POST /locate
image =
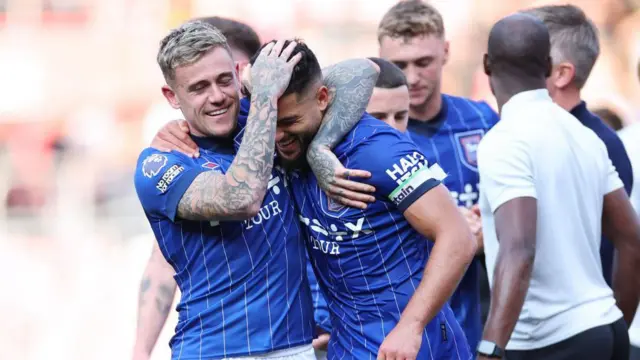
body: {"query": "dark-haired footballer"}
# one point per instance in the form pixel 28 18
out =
pixel 384 298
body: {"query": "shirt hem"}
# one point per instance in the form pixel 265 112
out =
pixel 566 332
pixel 245 354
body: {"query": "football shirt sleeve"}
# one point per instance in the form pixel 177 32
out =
pixel 612 180
pixel 161 179
pixel 399 170
pixel 506 170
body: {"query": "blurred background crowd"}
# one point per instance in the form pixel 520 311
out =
pixel 80 97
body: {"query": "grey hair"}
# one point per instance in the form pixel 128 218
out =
pixel 187 44
pixel 574 38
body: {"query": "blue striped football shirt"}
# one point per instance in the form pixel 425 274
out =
pixel 242 282
pixel 369 262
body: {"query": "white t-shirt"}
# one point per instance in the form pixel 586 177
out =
pixel 630 137
pixel 539 150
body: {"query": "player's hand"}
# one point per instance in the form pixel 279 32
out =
pixel 335 180
pixel 321 342
pixel 475 224
pixel 272 70
pixel 482 357
pixel 175 136
pixel 402 343
pixel 480 235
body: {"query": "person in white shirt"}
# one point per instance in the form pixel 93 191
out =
pixel 630 137
pixel 548 189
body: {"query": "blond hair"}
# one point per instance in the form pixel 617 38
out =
pixel 187 44
pixel 411 18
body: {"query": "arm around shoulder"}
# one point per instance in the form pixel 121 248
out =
pixel 238 194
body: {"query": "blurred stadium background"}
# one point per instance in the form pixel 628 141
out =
pixel 79 98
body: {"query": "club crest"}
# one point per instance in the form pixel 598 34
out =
pixel 467 143
pixel 331 207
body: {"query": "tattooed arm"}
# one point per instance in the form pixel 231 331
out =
pixel 157 290
pixel 350 85
pixel 239 193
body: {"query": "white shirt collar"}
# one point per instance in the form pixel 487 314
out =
pixel 525 98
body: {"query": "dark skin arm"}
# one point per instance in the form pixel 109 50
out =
pixel 620 224
pixel 515 223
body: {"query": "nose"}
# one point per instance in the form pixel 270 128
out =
pixel 412 75
pixel 216 96
pixel 279 134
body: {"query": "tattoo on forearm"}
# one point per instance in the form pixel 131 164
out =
pixel 213 195
pixel 145 284
pixel 350 86
pixel 164 298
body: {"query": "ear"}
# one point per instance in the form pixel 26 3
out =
pixel 239 67
pixel 446 52
pixel 171 97
pixel 564 75
pixel 322 97
pixel 245 76
pixel 486 64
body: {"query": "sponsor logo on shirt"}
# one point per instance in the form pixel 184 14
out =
pixel 266 212
pixel 328 239
pixel 270 209
pixel 168 177
pixel 411 172
pixel 403 169
pixel 417 178
pixel 152 165
pixel 405 189
pixel 467 198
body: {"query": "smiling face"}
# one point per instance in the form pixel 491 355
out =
pixel 206 91
pixel 299 118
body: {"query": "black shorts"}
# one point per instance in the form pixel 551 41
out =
pixel 606 342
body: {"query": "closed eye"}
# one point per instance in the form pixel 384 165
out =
pixel 286 121
pixel 401 115
pixel 199 86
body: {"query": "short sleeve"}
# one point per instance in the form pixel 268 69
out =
pixel 161 179
pixel 506 170
pixel 612 180
pixel 399 170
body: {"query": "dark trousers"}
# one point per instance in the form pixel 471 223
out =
pixel 485 291
pixel 635 353
pixel 607 342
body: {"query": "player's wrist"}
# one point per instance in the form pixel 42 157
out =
pixel 412 323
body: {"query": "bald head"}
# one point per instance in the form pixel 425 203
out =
pixel 519 45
